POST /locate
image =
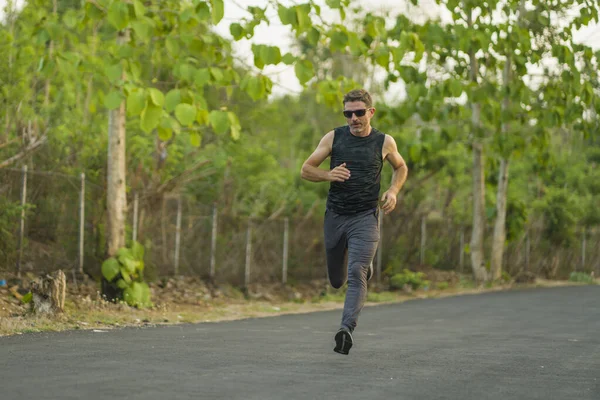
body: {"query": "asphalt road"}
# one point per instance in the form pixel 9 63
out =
pixel 530 344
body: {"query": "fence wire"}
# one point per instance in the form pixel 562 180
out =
pixel 178 234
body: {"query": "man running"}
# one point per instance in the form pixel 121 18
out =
pixel 351 226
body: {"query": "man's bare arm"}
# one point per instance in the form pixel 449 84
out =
pixel 399 176
pixel 311 171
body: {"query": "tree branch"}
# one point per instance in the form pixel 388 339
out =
pixel 31 147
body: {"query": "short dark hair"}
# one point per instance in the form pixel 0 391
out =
pixel 359 95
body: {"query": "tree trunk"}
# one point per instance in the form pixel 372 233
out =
pixel 478 232
pixel 50 53
pixel 501 202
pixel 48 293
pixel 500 223
pixel 477 236
pixel 116 168
pixel 90 84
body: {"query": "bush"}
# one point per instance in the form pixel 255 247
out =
pixel 124 274
pixel 581 277
pixel 415 280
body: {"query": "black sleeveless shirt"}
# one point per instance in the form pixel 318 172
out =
pixel 363 158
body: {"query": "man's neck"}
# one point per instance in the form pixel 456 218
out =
pixel 366 132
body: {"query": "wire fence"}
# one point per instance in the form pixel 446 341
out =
pixel 51 221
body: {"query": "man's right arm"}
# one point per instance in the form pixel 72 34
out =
pixel 310 169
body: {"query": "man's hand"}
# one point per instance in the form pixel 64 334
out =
pixel 389 201
pixel 339 173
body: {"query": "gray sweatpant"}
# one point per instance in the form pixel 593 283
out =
pixel 356 236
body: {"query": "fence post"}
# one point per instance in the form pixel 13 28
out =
pixel 527 251
pixel 81 222
pixel 286 235
pixel 461 257
pixel 583 245
pixel 248 253
pixel 380 247
pixel 136 207
pixel 178 235
pixel 213 243
pixel 423 239
pixel 22 224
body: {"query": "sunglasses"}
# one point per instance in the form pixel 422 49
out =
pixel 359 113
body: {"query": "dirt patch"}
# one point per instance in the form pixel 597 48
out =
pixel 192 300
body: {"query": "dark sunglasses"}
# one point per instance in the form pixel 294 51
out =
pixel 359 113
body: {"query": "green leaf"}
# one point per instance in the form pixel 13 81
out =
pixel 113 100
pixel 136 101
pixel 110 269
pixel 304 71
pixel 142 29
pixel 139 8
pixel 27 298
pixel 313 36
pixel 302 13
pixel 185 113
pixel 255 88
pixel 137 251
pixel 118 15
pixel 216 73
pixel 333 3
pixel 237 31
pixel 288 59
pixel 339 40
pixel 121 284
pixel 157 97
pixel 217 11
pixel 150 117
pixel 172 99
pixel 202 77
pixel 202 117
pixel 235 125
pixel 70 19
pixel 219 120
pixel 195 139
pixel 287 15
pixel 114 72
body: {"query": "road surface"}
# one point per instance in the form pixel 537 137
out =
pixel 526 344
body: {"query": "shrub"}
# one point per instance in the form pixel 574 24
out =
pixel 125 275
pixel 581 277
pixel 415 280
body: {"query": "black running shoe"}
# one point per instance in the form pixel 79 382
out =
pixel 343 341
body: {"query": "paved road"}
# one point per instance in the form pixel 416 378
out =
pixel 530 344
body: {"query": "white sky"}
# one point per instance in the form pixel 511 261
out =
pixel 278 35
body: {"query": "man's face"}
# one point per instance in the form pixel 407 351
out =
pixel 360 123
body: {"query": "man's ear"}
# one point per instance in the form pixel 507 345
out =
pixel 372 111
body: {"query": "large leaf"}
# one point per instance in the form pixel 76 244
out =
pixel 137 250
pixel 157 97
pixel 219 120
pixel 114 72
pixel 202 77
pixel 172 99
pixel 113 100
pixel 304 71
pixel 118 15
pixel 150 117
pixel 136 101
pixel 217 11
pixel 185 113
pixel 139 8
pixel 195 139
pixel 235 126
pixel 237 31
pixel 110 269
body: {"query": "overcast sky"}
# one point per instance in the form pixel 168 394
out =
pixel 277 34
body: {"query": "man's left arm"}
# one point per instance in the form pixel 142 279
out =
pixel 391 154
